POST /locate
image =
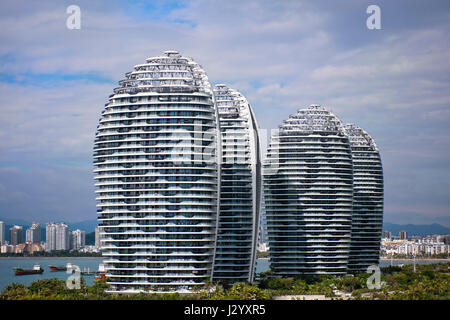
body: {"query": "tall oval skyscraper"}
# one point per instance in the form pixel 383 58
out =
pixel 157 171
pixel 367 220
pixel 240 190
pixel 308 192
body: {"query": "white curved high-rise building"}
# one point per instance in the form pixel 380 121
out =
pixel 308 192
pixel 240 191
pixel 367 220
pixel 157 173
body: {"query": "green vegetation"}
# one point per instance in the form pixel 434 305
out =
pixel 239 291
pixel 429 282
pixel 56 289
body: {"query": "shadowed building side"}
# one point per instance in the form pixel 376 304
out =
pixel 367 220
pixel 308 192
pixel 240 191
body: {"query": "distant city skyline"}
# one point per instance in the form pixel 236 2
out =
pixel 56 237
pixel 281 55
pixel 37 232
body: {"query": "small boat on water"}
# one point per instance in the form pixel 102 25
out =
pixel 56 268
pixel 36 270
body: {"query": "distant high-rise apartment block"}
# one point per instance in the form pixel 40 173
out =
pixel 28 235
pixel 77 239
pixel 367 217
pixel 157 161
pixel 386 235
pixel 403 235
pixel 15 235
pixel 33 234
pixel 97 237
pixel 50 236
pixel 240 189
pixel 57 237
pixel 2 233
pixel 62 237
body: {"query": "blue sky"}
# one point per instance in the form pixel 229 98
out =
pixel 283 55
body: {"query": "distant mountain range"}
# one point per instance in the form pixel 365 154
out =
pixel 416 229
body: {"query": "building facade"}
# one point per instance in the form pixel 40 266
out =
pixel 15 235
pixel 2 233
pixel 33 234
pixel 262 223
pixel 240 189
pixel 62 237
pixel 308 192
pixel 157 170
pixel 367 218
pixel 50 236
pixel 57 236
pixel 97 237
pixel 77 239
pixel 403 235
pixel 386 235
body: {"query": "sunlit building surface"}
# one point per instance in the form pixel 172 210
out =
pixel 240 190
pixel 367 219
pixel 33 234
pixel 308 193
pixel 157 173
pixel 50 236
pixel 62 237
